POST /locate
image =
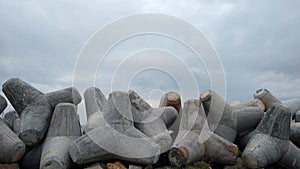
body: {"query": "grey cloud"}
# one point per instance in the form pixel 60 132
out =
pixel 257 41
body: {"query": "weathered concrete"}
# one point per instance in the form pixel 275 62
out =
pixel 64 128
pixel 195 141
pixel 116 138
pixel 11 146
pixel 250 103
pixel 295 133
pixel 157 129
pixel 13 120
pixel 152 121
pixel 243 138
pixel 95 103
pixel 229 120
pixel 9 166
pixel 32 158
pixel 3 104
pixel 266 97
pixel 293 104
pixel 291 159
pixel 35 108
pixel 172 99
pixel 297 116
pixel 271 142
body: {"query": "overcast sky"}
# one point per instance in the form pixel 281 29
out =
pixel 257 42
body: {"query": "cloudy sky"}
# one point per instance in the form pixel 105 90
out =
pixel 257 43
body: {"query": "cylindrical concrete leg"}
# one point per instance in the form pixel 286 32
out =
pixel 169 115
pixel 11 146
pixel 219 114
pixel 9 166
pixel 157 131
pixel 188 150
pixel 150 122
pixel 295 133
pixel 297 116
pixel 68 95
pixel 13 120
pixel 291 158
pixel 293 104
pixel 64 128
pixel 220 150
pixel 32 158
pixel 93 121
pixel 250 103
pixel 266 97
pixel 35 120
pixel 171 99
pixel 247 118
pixel 3 104
pixel 19 93
pixel 95 101
pixel 243 138
pixel 263 150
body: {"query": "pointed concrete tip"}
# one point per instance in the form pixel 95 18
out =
pixel 178 156
pixel 206 95
pixel 9 81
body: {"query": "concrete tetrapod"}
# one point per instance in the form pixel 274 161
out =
pixel 3 104
pixel 152 121
pixel 268 98
pixel 270 142
pixel 12 119
pixel 11 146
pixel 195 141
pixel 116 138
pixel 35 108
pixel 63 129
pixel 228 120
pixel 95 103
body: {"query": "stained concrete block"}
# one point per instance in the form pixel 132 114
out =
pixel 63 129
